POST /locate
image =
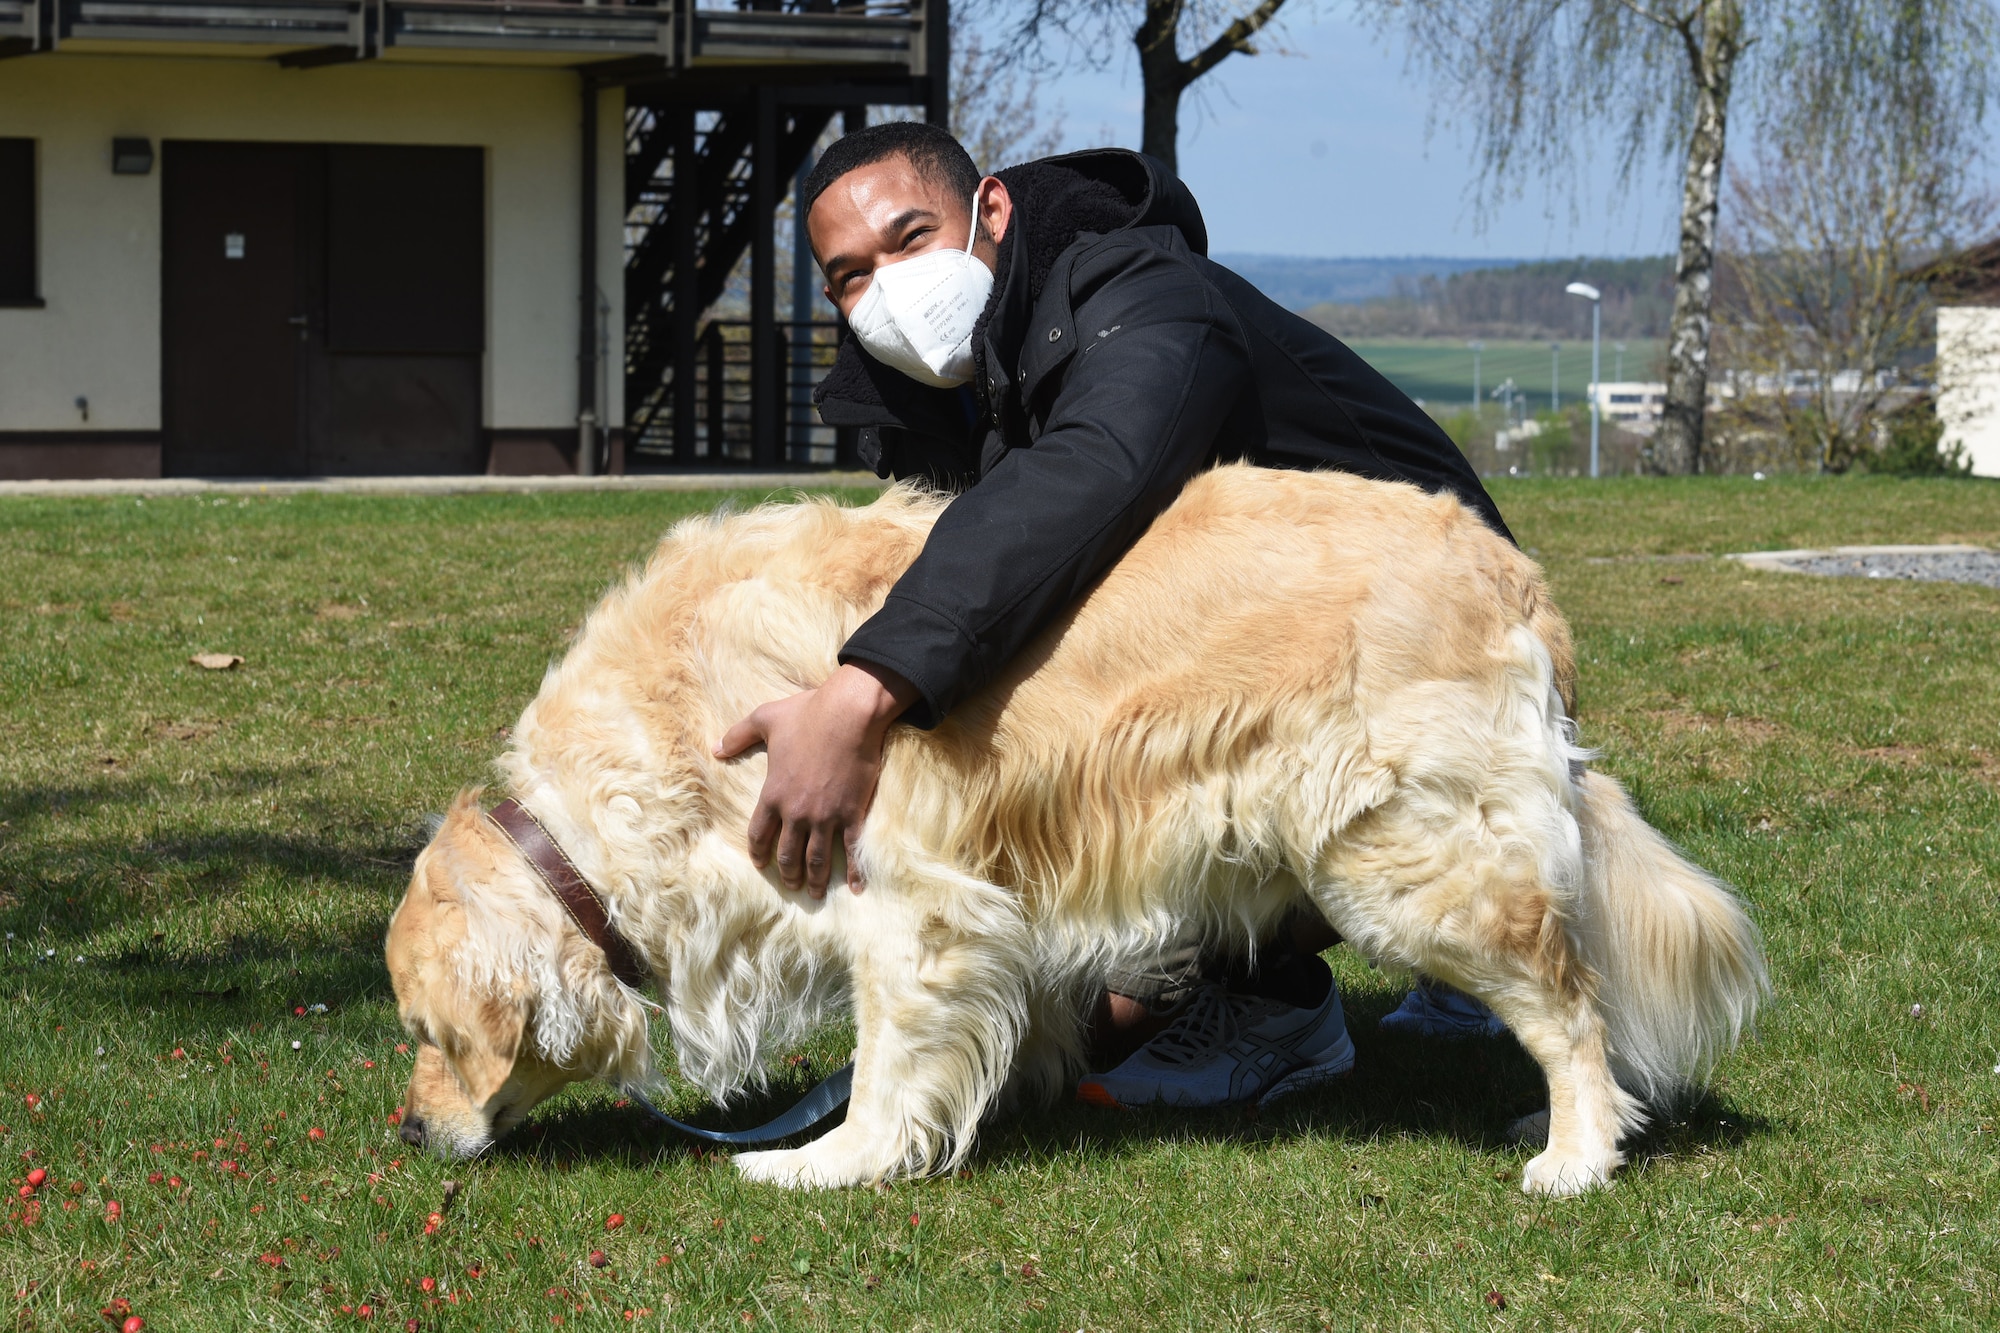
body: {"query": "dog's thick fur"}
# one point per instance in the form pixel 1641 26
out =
pixel 1293 685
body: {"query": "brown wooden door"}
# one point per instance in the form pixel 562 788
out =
pixel 395 386
pixel 236 283
pixel 324 309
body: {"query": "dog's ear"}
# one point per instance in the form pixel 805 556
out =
pixel 483 1046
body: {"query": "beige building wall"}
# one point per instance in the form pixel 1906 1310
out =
pixel 99 335
pixel 1969 383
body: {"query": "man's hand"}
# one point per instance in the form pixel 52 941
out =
pixel 826 752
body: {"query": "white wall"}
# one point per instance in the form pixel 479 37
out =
pixel 99 336
pixel 1969 383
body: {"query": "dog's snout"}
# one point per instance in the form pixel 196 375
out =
pixel 412 1132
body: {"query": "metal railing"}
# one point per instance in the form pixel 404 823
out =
pixel 724 405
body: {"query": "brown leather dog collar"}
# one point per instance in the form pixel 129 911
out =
pixel 557 871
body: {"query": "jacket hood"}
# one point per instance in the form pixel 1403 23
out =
pixel 1157 196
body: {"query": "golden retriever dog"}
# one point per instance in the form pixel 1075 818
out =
pixel 1293 686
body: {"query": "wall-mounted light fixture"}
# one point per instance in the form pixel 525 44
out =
pixel 131 157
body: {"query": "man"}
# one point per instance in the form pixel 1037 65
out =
pixel 1053 342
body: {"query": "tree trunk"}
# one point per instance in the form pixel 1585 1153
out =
pixel 1163 77
pixel 1676 448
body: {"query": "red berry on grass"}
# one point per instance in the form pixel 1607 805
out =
pixel 36 1177
pixel 365 1310
pixel 613 1222
pixel 113 1210
pixel 428 1284
pixel 33 1100
pixel 598 1259
pixel 27 1191
pixel 155 1178
pixel 410 1326
pixel 173 1182
pixel 298 1011
pixel 402 1048
pixel 316 1134
pixel 132 1325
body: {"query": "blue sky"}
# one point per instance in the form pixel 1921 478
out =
pixel 1324 152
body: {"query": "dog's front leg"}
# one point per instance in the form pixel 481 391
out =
pixel 939 1008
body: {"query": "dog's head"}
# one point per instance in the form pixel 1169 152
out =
pixel 509 1001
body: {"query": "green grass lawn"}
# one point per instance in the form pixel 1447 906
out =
pixel 192 863
pixel 1438 371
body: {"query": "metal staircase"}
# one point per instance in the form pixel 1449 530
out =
pixel 692 181
pixel 713 375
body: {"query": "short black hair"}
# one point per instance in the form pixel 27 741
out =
pixel 938 158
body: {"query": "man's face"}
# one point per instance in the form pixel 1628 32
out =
pixel 886 212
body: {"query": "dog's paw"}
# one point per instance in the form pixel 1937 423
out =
pixel 1562 1174
pixel 783 1167
pixel 817 1166
pixel 1530 1131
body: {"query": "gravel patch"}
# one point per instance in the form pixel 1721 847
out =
pixel 1930 564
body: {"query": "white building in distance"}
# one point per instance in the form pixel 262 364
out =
pixel 1634 405
pixel 1969 356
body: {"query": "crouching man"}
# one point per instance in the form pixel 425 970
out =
pixel 1053 343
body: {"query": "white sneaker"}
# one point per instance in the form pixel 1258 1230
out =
pixel 1223 1049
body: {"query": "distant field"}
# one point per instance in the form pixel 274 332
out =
pixel 1438 372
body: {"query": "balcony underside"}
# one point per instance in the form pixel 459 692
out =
pixel 880 39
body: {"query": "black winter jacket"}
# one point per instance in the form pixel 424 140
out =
pixel 1115 361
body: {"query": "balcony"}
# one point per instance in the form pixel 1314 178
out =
pixel 879 36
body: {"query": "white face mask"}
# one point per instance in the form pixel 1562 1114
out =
pixel 917 314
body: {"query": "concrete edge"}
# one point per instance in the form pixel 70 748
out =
pixel 480 485
pixel 1785 562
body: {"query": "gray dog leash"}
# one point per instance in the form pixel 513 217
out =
pixel 815 1106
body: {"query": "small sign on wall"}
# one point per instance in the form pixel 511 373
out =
pixel 232 245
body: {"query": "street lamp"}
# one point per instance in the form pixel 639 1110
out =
pixel 1477 347
pixel 1596 299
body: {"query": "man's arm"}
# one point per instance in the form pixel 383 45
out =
pixel 825 748
pixel 1137 414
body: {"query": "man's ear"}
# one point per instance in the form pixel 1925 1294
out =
pixel 483 1050
pixel 996 208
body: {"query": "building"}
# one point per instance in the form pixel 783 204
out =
pixel 1967 289
pixel 1633 405
pixel 312 237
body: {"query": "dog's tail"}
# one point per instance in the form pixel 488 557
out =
pixel 1680 966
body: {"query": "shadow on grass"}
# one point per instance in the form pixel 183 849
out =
pixel 1466 1092
pixel 242 979
pixel 67 889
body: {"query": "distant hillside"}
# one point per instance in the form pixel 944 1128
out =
pixel 1296 282
pixel 1517 301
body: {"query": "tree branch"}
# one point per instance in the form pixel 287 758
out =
pixel 1235 37
pixel 1663 20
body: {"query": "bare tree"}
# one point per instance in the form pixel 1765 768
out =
pixel 1825 328
pixel 1528 72
pixel 1090 32
pixel 999 120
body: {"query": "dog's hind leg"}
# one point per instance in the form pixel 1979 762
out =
pixel 1485 913
pixel 940 978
